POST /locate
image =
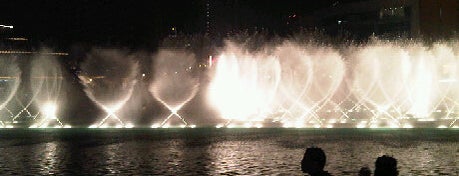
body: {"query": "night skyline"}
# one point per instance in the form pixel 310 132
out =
pixel 141 23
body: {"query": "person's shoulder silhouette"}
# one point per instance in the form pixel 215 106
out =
pixel 386 166
pixel 365 171
pixel 313 162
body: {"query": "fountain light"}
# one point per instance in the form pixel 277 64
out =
pixel 247 125
pixel 299 125
pixel 393 125
pixel 374 125
pixel 332 121
pixel 442 126
pixel 155 125
pixel 93 126
pixel 129 125
pixel 407 125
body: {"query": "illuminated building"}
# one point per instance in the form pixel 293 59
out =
pixel 411 18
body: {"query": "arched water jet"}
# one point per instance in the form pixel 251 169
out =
pixel 310 77
pixel 379 77
pixel 175 82
pixel 108 77
pixel 448 60
pixel 46 82
pixel 10 75
pixel 296 80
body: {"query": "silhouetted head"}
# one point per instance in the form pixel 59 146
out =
pixel 386 166
pixel 365 171
pixel 313 161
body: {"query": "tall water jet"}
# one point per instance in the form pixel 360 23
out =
pixel 379 78
pixel 310 77
pixel 244 85
pixel 108 77
pixel 10 75
pixel 448 65
pixel 425 90
pixel 46 82
pixel 175 82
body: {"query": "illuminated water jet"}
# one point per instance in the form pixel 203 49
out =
pixel 109 77
pixel 389 84
pixel 10 76
pixel 244 85
pixel 46 82
pixel 175 81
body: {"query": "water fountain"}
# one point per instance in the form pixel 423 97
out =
pixel 377 85
pixel 10 75
pixel 175 82
pixel 109 77
pixel 389 85
pixel 244 86
pixel 46 83
pixel 310 78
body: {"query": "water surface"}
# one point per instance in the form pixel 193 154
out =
pixel 221 151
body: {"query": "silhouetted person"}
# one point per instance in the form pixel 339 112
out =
pixel 365 171
pixel 386 166
pixel 313 162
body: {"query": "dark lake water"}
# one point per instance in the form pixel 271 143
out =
pixel 221 151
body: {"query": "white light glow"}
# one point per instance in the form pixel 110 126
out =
pixel 442 126
pixel 49 109
pixel 155 125
pixel 259 125
pixel 93 126
pixel 361 125
pixel 6 26
pixel 407 126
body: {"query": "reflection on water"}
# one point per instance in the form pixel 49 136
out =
pixel 47 158
pixel 221 152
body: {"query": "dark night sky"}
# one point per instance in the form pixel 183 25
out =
pixel 133 22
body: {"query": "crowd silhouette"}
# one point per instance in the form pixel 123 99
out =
pixel 314 160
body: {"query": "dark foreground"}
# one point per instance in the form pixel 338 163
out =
pixel 221 151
